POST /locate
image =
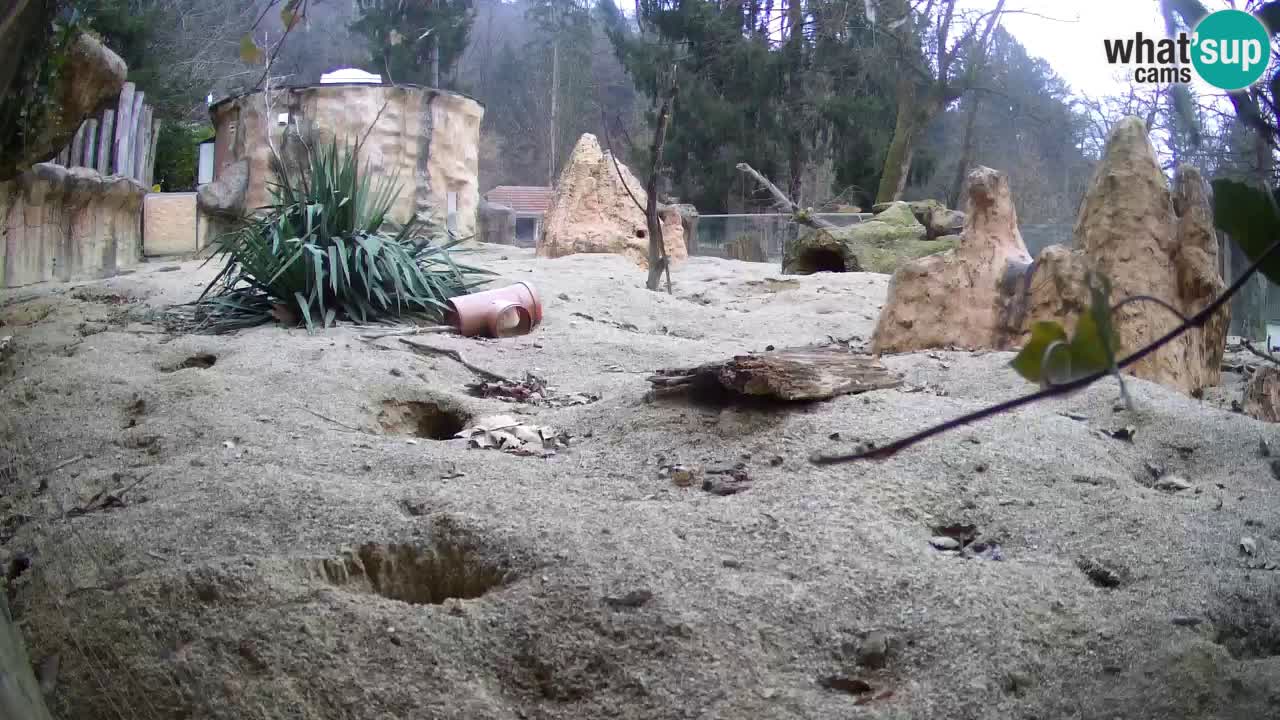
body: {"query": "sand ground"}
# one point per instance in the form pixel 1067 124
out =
pixel 249 526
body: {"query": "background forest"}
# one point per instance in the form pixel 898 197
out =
pixel 838 102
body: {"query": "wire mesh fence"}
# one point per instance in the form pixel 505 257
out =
pixel 758 237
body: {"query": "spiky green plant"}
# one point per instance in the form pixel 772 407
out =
pixel 323 250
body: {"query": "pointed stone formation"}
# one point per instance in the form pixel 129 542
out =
pixel 961 298
pixel 593 212
pixel 1149 240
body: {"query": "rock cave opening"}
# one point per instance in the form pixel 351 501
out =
pixel 818 260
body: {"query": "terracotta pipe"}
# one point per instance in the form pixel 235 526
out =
pixel 501 312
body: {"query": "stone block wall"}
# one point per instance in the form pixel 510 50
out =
pixel 170 225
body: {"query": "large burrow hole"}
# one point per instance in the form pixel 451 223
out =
pixel 816 260
pixel 418 574
pixel 199 361
pixel 420 418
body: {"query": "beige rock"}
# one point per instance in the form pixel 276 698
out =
pixel 1149 241
pixel 1262 395
pixel 427 139
pixel 955 298
pixel 93 74
pixel 592 211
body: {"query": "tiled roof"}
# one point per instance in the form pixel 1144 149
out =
pixel 524 199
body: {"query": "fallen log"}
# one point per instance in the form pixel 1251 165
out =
pixel 796 374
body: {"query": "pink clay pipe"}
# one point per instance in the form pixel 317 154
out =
pixel 498 313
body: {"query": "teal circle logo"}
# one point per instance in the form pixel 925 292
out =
pixel 1231 49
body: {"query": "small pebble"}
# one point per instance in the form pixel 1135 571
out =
pixel 1248 546
pixel 1172 483
pixel 942 542
pixel 1186 620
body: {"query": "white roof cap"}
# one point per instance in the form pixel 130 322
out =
pixel 350 75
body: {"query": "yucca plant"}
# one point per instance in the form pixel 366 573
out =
pixel 323 250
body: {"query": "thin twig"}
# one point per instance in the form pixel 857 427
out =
pixel 457 357
pixel 1197 320
pixel 1248 345
pixel 608 143
pixel 447 329
pixel 339 423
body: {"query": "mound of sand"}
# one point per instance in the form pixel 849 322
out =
pixel 264 525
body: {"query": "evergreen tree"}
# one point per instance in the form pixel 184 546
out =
pixel 414 41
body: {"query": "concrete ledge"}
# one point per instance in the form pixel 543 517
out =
pixel 65 224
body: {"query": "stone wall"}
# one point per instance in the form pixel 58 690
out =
pixel 170 226
pixel 428 139
pixel 67 224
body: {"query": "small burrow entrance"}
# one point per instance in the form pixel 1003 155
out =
pixel 199 361
pixel 816 260
pixel 418 575
pixel 423 419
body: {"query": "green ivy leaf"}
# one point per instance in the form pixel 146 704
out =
pixel 1029 363
pixel 1246 214
pixel 1048 358
pixel 289 14
pixel 249 51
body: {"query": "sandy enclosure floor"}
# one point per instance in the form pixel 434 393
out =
pixel 249 526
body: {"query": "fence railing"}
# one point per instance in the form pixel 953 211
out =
pixel 121 141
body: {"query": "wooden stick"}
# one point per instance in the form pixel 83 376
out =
pixel 151 151
pixel 448 329
pixel 120 150
pixel 90 144
pixel 135 118
pixel 782 200
pixel 457 356
pixel 105 140
pixel 77 146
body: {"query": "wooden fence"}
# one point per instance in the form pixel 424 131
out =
pixel 122 141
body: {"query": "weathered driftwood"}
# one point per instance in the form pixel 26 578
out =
pixel 812 373
pixel 780 198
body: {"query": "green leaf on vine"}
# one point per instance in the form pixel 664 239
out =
pixel 1249 216
pixel 289 14
pixel 1049 359
pixel 1029 363
pixel 249 51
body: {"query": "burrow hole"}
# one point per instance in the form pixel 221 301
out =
pixel 421 419
pixel 818 260
pixel 417 575
pixel 199 361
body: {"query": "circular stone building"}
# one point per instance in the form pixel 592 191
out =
pixel 427 138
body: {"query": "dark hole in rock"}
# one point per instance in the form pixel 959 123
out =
pixel 421 419
pixel 962 532
pixel 200 361
pixel 816 260
pixel 641 233
pixel 418 575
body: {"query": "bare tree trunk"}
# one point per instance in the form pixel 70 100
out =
pixel 657 246
pixel 897 161
pixel 435 63
pixel 966 154
pixel 555 97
